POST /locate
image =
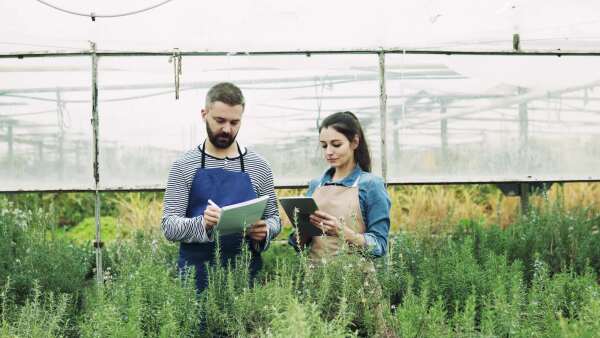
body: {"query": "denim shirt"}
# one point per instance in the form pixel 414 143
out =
pixel 374 202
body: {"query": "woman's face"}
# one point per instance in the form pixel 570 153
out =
pixel 337 149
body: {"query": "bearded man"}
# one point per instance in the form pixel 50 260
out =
pixel 216 173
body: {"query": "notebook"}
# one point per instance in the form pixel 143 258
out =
pixel 237 217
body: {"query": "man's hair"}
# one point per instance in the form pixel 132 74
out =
pixel 225 92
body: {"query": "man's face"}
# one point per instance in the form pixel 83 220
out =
pixel 222 123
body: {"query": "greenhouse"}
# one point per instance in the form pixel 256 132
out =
pixel 482 121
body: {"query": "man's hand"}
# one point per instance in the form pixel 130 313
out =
pixel 258 231
pixel 211 216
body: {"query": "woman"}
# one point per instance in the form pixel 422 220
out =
pixel 353 203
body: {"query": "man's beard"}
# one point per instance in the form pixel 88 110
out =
pixel 221 140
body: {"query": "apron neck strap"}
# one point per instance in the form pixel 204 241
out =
pixel 241 157
pixel 203 151
pixel 203 154
pixel 355 184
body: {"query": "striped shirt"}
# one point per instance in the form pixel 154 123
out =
pixel 177 227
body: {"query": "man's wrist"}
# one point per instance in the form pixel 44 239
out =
pixel 208 230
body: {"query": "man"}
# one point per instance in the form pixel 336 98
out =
pixel 221 171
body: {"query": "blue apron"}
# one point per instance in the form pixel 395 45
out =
pixel 224 188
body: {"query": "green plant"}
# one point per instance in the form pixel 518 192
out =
pixel 145 299
pixel 28 254
pixel 536 277
pixel 40 316
pixel 85 231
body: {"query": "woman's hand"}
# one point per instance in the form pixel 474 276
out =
pixel 329 224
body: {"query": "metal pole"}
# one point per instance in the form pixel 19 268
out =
pixel 61 155
pixel 383 116
pixel 524 189
pixel 524 150
pixel 95 123
pixel 444 135
pixel 11 151
pixel 60 137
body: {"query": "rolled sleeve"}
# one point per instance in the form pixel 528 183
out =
pixel 378 207
pixel 175 226
pixel 273 229
pixel 271 215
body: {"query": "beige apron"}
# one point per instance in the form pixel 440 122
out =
pixel 343 203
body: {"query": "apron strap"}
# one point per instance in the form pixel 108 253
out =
pixel 204 154
pixel 241 157
pixel 355 184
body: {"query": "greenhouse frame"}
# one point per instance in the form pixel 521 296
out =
pixel 517 104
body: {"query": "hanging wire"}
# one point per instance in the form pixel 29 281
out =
pixel 63 115
pixel 59 112
pixel 66 116
pixel 319 87
pixel 93 15
pixel 176 60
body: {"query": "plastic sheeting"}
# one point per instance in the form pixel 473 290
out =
pixel 45 130
pixel 491 118
pixel 449 118
pixel 148 128
pixel 231 25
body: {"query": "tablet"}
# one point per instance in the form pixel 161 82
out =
pixel 304 206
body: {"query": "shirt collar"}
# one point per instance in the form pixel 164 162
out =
pixel 347 181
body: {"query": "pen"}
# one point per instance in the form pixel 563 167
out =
pixel 212 203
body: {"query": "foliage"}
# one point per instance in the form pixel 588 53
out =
pixel 28 255
pixel 67 209
pixel 536 277
pixel 41 315
pixel 139 212
pixel 142 295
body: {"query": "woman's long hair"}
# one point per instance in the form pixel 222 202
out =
pixel 347 123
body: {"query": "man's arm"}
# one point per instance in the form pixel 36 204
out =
pixel 175 226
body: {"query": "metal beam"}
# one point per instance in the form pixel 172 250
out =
pixel 394 50
pixel 391 182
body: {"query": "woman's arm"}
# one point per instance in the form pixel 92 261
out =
pixel 378 207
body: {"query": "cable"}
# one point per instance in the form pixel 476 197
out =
pixel 94 16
